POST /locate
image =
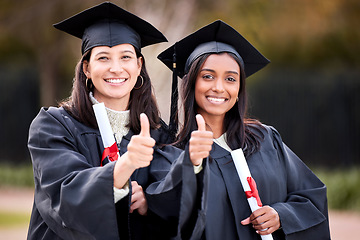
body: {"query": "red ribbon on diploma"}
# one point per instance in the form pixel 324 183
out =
pixel 254 192
pixel 111 152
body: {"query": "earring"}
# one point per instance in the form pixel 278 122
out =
pixel 237 99
pixel 142 83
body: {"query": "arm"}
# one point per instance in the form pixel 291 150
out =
pixel 304 213
pixel 67 182
pixel 180 195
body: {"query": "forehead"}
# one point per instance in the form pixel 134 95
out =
pixel 221 60
pixel 126 47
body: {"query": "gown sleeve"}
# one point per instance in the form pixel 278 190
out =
pixel 304 214
pixel 178 197
pixel 74 197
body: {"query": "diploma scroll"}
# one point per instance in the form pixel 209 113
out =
pixel 248 184
pixel 110 148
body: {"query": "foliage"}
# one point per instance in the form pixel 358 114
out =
pixel 343 187
pixel 16 175
pixel 302 33
pixel 10 219
pixel 342 184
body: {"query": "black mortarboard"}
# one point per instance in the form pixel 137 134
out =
pixel 216 37
pixel 206 40
pixel 107 24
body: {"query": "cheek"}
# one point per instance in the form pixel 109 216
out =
pixel 134 69
pixel 235 94
pixel 236 90
pixel 199 90
pixel 96 69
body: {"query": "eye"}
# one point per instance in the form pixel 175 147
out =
pixel 103 58
pixel 127 56
pixel 230 79
pixel 207 76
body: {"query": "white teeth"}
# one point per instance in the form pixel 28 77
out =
pixel 116 80
pixel 212 99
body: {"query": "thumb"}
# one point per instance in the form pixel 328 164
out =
pixel 200 122
pixel 145 125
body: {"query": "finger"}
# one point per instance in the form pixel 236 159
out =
pixel 198 157
pixel 254 217
pixel 134 185
pixel 266 231
pixel 200 122
pixel 246 221
pixel 145 125
pixel 202 135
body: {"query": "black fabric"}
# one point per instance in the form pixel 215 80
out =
pixel 217 31
pixel 74 195
pixel 107 24
pixel 210 47
pixel 283 180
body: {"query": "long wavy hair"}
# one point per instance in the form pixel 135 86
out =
pixel 142 99
pixel 241 131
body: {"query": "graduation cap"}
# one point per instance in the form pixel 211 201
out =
pixel 217 37
pixel 107 24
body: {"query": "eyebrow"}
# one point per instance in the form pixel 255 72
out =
pixel 125 51
pixel 211 70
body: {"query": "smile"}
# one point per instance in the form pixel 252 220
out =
pixel 216 99
pixel 116 80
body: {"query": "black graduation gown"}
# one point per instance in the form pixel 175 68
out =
pixel 213 203
pixel 74 196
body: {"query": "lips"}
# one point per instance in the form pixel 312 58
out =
pixel 116 80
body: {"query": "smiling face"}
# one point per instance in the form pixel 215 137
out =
pixel 114 72
pixel 217 86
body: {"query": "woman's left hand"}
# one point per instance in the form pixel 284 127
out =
pixel 265 220
pixel 138 200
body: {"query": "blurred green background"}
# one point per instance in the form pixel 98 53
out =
pixel 309 91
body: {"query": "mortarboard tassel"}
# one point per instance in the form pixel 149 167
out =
pixel 173 125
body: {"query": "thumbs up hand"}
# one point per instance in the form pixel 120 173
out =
pixel 140 149
pixel 200 142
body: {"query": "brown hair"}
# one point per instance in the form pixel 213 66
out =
pixel 80 107
pixel 241 131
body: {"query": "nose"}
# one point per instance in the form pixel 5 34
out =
pixel 116 67
pixel 218 85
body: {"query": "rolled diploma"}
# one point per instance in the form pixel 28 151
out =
pixel 244 172
pixel 103 122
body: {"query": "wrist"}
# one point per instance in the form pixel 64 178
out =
pixel 122 171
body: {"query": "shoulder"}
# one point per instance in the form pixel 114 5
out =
pixel 52 115
pixel 269 135
pixel 47 115
pixel 52 112
pixel 267 131
pixel 57 116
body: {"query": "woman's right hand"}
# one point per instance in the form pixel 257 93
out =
pixel 139 154
pixel 200 143
pixel 140 148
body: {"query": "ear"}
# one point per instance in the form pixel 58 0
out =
pixel 86 69
pixel 140 61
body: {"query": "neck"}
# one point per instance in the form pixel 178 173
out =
pixel 115 104
pixel 215 124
